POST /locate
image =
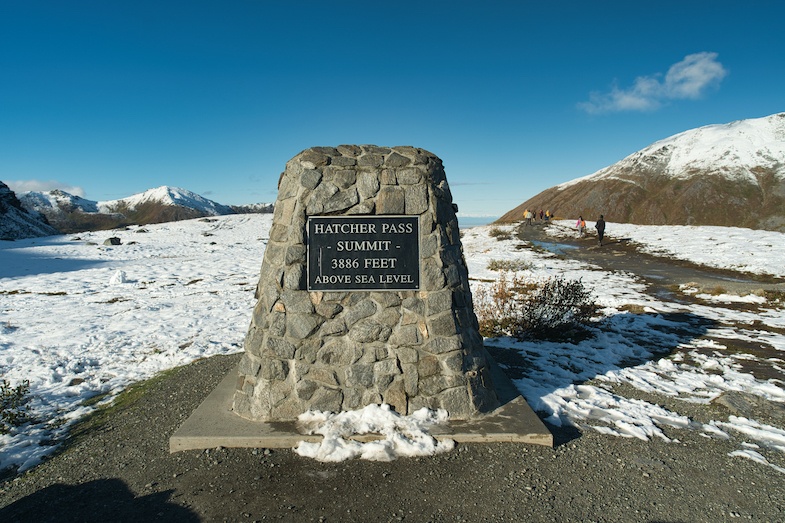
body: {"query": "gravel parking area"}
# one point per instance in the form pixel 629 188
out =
pixel 118 468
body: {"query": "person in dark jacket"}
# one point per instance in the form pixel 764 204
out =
pixel 600 226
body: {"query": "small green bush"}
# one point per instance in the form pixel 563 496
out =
pixel 556 309
pixel 13 405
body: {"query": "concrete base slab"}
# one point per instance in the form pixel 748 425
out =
pixel 213 424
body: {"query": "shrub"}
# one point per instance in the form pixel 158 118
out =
pixel 500 234
pixel 717 290
pixel 509 265
pixel 496 305
pixel 556 309
pixel 13 405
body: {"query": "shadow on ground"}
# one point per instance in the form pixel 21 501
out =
pixel 16 260
pixel 620 341
pixel 95 501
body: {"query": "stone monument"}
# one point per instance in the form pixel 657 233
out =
pixel 363 296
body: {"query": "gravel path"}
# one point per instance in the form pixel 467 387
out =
pixel 118 468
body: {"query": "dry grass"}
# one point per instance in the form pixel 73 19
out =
pixel 509 265
pixel 633 308
pixel 500 234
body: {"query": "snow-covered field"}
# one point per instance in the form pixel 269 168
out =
pixel 79 319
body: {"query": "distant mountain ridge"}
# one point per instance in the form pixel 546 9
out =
pixel 165 195
pixel 727 174
pixel 69 213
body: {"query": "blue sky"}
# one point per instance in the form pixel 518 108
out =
pixel 108 99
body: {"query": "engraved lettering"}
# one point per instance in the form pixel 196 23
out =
pixel 380 263
pixel 354 245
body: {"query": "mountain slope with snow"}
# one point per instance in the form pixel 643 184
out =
pixel 16 222
pixel 730 175
pixel 56 201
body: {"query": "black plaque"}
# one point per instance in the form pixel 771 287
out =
pixel 363 253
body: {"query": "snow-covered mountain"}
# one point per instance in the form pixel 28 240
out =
pixel 16 222
pixel 164 195
pixel 70 213
pixel 728 174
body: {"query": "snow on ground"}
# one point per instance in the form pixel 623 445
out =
pixel 79 319
pixel 671 349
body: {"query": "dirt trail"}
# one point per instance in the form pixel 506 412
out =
pixel 662 274
pixel 117 467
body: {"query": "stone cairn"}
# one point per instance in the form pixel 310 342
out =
pixel 338 351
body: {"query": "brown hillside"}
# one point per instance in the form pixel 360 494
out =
pixel 653 199
pixel 120 216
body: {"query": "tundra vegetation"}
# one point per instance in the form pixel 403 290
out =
pixel 557 308
pixel 13 405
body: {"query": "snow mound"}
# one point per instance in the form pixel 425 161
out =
pixel 403 435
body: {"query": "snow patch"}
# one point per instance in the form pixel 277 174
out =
pixel 403 436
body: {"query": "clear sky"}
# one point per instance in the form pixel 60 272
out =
pixel 106 99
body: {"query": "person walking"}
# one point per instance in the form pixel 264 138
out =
pixel 600 226
pixel 527 215
pixel 581 226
